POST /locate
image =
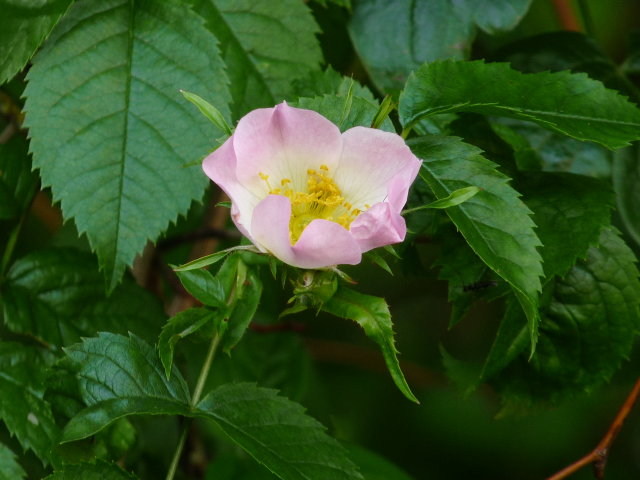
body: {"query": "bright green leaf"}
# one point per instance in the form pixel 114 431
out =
pixel 566 206
pixel 10 469
pixel 455 198
pixel 209 111
pixel 567 103
pixel 495 222
pixel 24 411
pixel 346 114
pixel 261 71
pixel 330 82
pixel 109 130
pixel 120 376
pixel 91 471
pixel 23 27
pixel 17 182
pixel 277 433
pixel 182 325
pixel 213 258
pixel 57 295
pixel 372 314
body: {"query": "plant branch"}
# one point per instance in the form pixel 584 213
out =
pixel 566 15
pixel 599 455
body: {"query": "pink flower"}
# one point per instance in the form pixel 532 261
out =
pixel 307 194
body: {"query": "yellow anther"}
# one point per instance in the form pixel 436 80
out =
pixel 284 181
pixel 263 176
pixel 311 172
pixel 324 167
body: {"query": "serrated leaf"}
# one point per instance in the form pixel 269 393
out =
pixel 261 72
pixel 346 114
pixel 395 38
pixel 626 181
pixel 17 182
pixel 109 130
pixel 495 222
pixel 23 27
pixel 121 376
pixel 91 471
pixel 568 103
pixel 330 82
pixel 566 206
pixel 10 469
pixel 57 295
pixel 182 325
pixel 277 433
pixel 22 407
pixel 372 314
pixel 245 305
pixel 588 328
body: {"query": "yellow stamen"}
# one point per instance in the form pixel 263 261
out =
pixel 321 200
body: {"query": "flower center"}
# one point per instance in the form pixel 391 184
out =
pixel 322 199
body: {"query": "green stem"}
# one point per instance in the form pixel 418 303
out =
pixel 11 243
pixel 197 393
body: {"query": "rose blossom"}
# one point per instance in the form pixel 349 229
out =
pixel 309 195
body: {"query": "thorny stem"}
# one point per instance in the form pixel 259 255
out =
pixel 197 393
pixel 598 456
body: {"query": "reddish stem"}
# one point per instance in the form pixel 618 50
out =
pixel 566 15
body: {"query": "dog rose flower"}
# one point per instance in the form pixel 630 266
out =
pixel 309 195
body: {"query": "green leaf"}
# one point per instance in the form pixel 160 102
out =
pixel 277 433
pixel 23 27
pixel 57 295
pixel 10 469
pixel 24 411
pixel 567 103
pixel 120 376
pixel 179 326
pixel 213 258
pixel 91 471
pixel 346 112
pixel 589 326
pixel 261 71
pixel 330 82
pixel 17 182
pixel 109 130
pixel 626 181
pixel 373 466
pixel 204 287
pixel 245 304
pixel 631 65
pixel 212 113
pixel 395 38
pixel 372 314
pixel 456 198
pixel 495 222
pixel 566 206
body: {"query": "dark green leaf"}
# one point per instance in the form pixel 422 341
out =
pixel 330 82
pixel 109 130
pixel 245 304
pixel 566 206
pixel 261 71
pixel 395 38
pixel 204 287
pixel 373 466
pixel 58 296
pixel 589 326
pixel 277 433
pixel 91 471
pixel 626 180
pixel 10 469
pixel 345 112
pixel 180 326
pixel 24 411
pixel 372 314
pixel 121 376
pixel 495 222
pixel 17 182
pixel 571 104
pixel 23 27
pixel 631 65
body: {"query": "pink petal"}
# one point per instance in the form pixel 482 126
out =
pixel 284 142
pixel 375 166
pixel 322 243
pixel 220 166
pixel 378 226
